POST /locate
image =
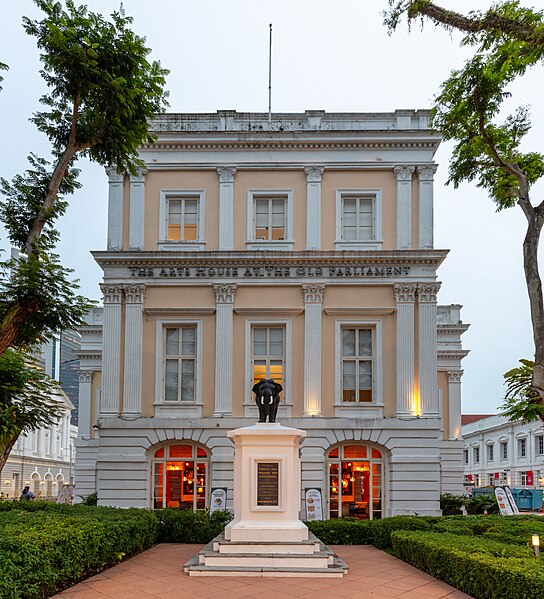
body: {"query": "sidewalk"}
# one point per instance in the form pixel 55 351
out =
pixel 158 573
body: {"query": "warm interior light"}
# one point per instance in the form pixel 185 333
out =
pixel 535 540
pixel 417 400
pixel 352 478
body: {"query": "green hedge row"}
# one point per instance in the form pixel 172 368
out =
pixel 480 566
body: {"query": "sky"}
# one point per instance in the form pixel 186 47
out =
pixel 333 56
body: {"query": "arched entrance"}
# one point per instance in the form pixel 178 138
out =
pixel 355 474
pixel 180 473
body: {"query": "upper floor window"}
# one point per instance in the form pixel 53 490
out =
pixel 179 363
pixel 181 220
pixel 270 216
pixel 490 452
pixel 522 448
pixel 357 365
pixel 358 219
pixel 268 354
pixel 540 445
pixel 504 450
pixel 465 456
pixel 476 455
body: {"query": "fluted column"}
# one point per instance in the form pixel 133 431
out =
pixel 314 175
pixel 427 349
pixel 111 349
pixel 137 204
pixel 426 175
pixel 115 209
pixel 85 402
pixel 404 206
pixel 224 303
pixel 134 300
pixel 405 298
pixel 313 309
pixel 226 206
pixel 454 403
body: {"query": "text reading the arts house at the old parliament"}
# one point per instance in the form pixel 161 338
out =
pixel 252 272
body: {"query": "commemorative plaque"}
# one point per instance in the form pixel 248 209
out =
pixel 268 484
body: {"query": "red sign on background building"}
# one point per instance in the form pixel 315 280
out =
pixel 529 478
pixel 497 475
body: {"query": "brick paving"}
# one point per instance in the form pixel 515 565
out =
pixel 158 574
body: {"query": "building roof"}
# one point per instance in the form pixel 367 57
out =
pixel 470 418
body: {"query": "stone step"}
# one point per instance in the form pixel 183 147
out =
pixel 272 560
pixel 254 547
pixel 201 570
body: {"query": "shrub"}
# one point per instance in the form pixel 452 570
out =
pixel 382 529
pixel 451 504
pixel 185 526
pixel 477 504
pixel 344 531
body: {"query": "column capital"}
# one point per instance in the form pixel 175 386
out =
pixel 313 292
pixel 427 292
pixel 113 175
pixel 134 294
pixel 226 174
pixel 85 376
pixel 225 294
pixel 112 293
pixel 314 173
pixel 403 172
pixel 405 292
pixel 426 172
pixel 454 376
pixel 139 177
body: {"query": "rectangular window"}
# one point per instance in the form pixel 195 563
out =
pixel 491 479
pixel 270 218
pixel 490 452
pixel 523 479
pixel 504 450
pixel 179 363
pixel 268 354
pixel 522 445
pixel 357 218
pixel 357 365
pixel 182 218
pixel 476 455
pixel 476 480
pixel 465 456
pixel 540 445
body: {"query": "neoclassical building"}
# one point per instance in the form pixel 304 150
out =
pixel 298 248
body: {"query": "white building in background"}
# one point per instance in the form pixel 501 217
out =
pixel 498 451
pixel 42 459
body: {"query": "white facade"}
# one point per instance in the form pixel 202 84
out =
pixel 498 451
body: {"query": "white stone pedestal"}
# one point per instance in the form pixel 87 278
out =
pixel 266 484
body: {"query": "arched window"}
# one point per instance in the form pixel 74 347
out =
pixel 355 481
pixel 35 482
pixel 180 476
pixel 48 485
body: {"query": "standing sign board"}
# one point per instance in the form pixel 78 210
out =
pixel 218 499
pixel 66 494
pixel 507 505
pixel 314 505
pixel 511 499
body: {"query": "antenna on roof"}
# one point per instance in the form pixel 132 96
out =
pixel 270 77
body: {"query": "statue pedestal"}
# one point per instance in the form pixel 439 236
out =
pixel 266 484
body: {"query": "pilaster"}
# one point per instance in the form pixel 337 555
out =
pixel 454 404
pixel 426 175
pixel 132 384
pixel 313 309
pixel 428 385
pixel 224 303
pixel 226 209
pixel 136 218
pixel 314 176
pixel 115 208
pixel 85 402
pixel 404 206
pixel 111 349
pixel 405 298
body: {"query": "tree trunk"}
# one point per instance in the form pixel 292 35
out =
pixel 12 322
pixel 6 445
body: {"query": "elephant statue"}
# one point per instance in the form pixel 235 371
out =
pixel 267 397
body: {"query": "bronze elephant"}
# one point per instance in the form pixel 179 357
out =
pixel 267 397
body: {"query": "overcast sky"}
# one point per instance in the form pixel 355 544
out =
pixel 334 56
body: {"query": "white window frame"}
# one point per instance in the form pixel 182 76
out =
pixel 476 454
pixel 523 478
pixel 522 448
pixel 502 445
pixel 372 244
pixel 373 409
pixel 281 244
pixel 490 452
pixel 491 479
pixel 181 245
pixel 539 449
pixel 465 457
pixel 182 409
pixel 286 403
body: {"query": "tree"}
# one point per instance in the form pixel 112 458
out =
pixel 508 40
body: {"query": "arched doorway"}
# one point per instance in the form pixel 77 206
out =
pixel 355 474
pixel 180 473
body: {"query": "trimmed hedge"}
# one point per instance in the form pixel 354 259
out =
pixel 184 526
pixel 481 567
pixel 345 531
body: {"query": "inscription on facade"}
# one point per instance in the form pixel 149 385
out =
pixel 255 272
pixel 268 483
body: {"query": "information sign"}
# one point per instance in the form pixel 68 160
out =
pixel 268 483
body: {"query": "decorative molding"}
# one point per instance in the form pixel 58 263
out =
pixel 347 311
pixel 405 292
pixel 314 174
pixel 112 293
pixel 224 294
pixel 404 173
pixel 426 173
pixel 269 311
pixel 313 292
pixel 139 177
pixel 113 175
pixel 85 376
pixel 134 294
pixel 226 174
pixel 427 292
pixel 454 376
pixel 179 311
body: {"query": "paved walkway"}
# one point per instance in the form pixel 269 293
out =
pixel 157 573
